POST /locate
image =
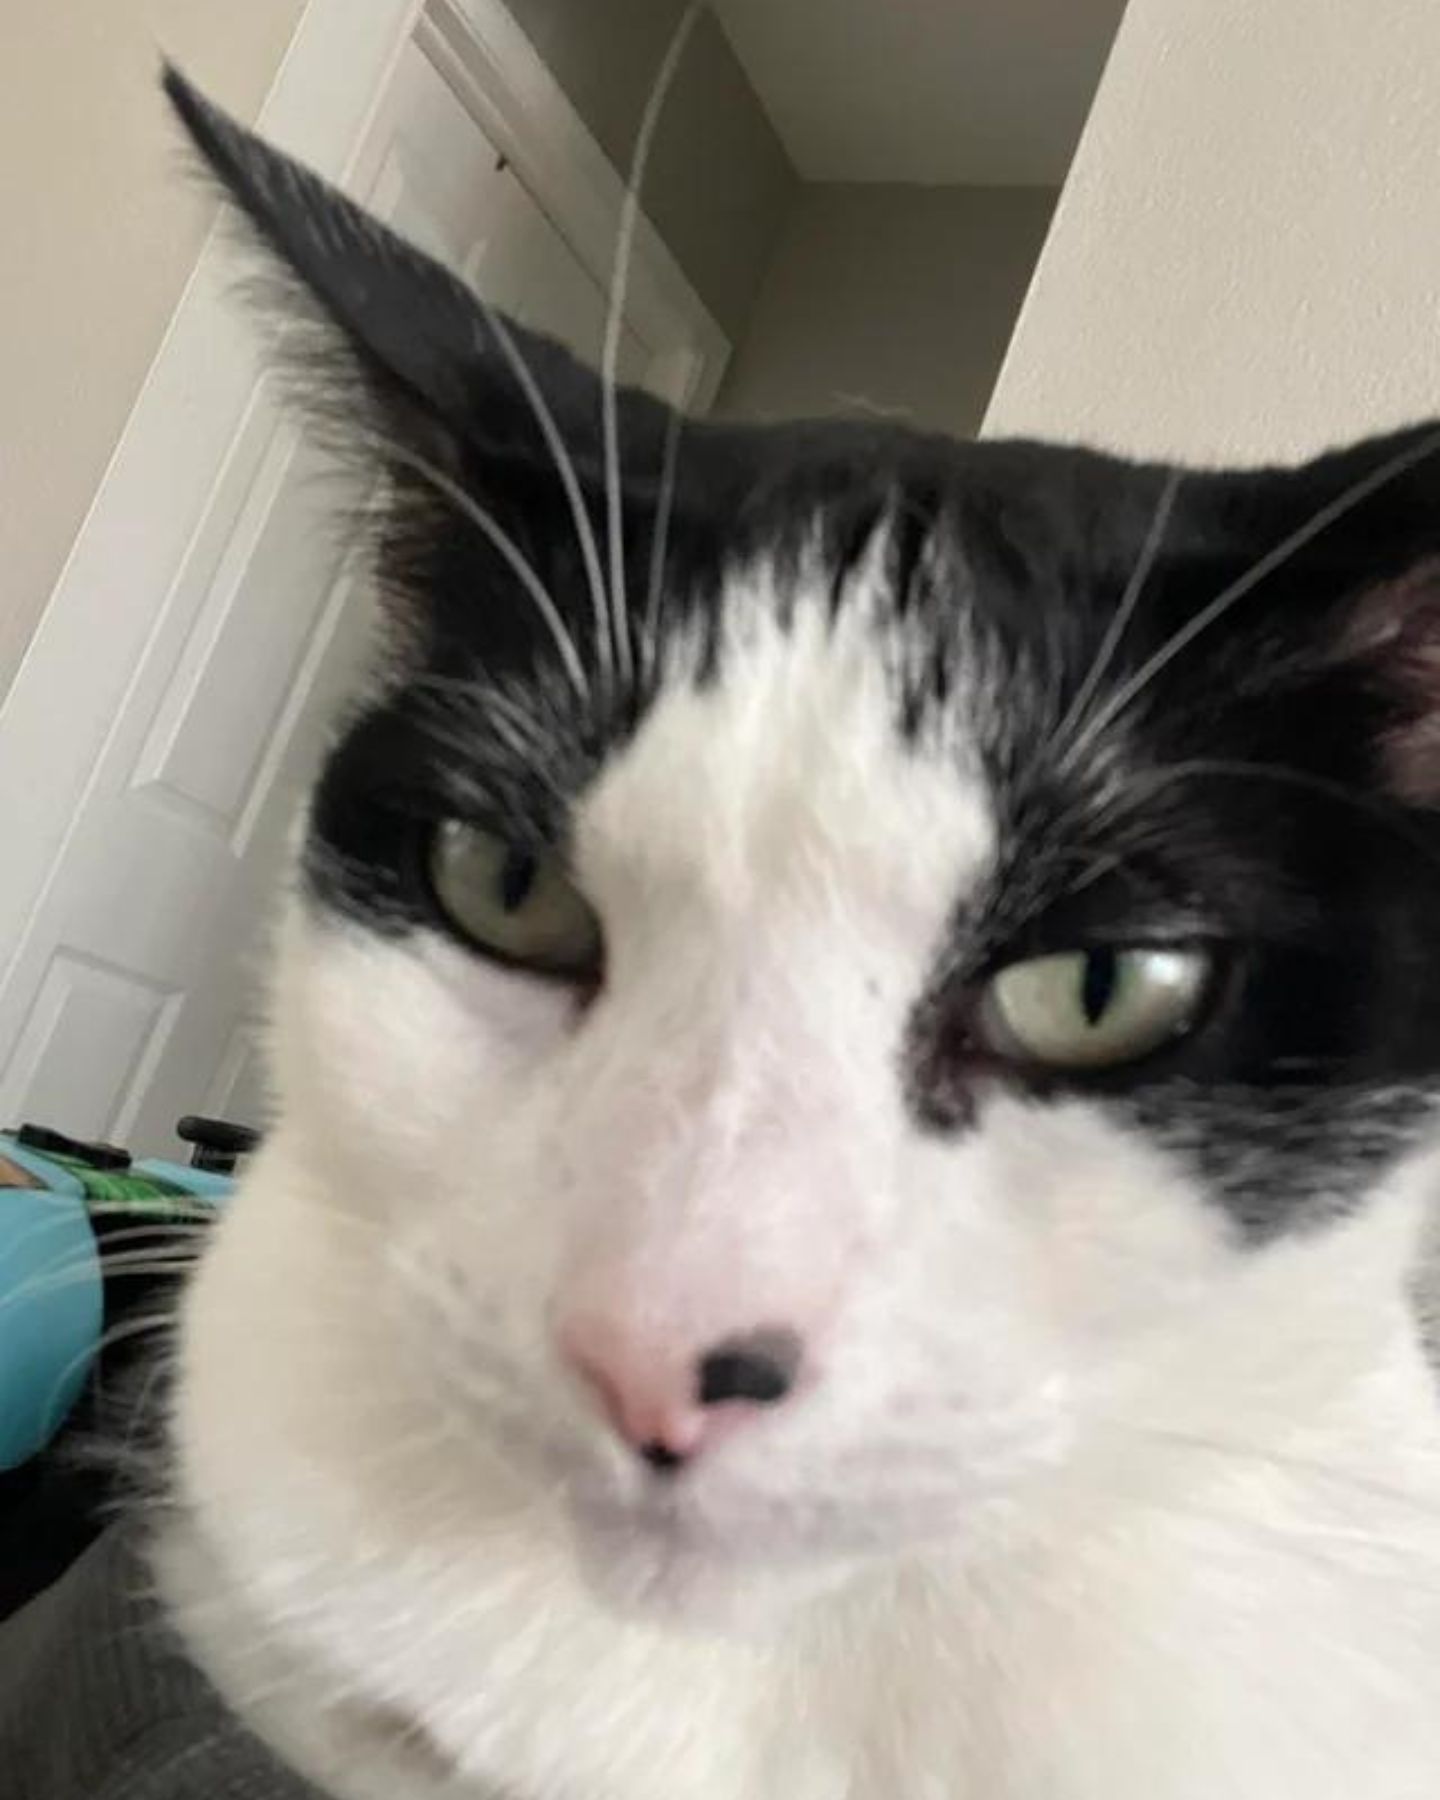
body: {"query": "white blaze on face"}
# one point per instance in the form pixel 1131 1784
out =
pixel 774 869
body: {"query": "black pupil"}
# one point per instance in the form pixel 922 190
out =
pixel 1097 984
pixel 517 879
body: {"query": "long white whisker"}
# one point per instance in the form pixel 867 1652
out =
pixel 128 1328
pixel 660 543
pixel 1322 1543
pixel 1074 718
pixel 521 566
pixel 1144 786
pixel 81 1271
pixel 1338 1478
pixel 505 718
pixel 57 1216
pixel 184 1232
pixel 565 468
pixel 615 319
pixel 1209 615
pixel 158 1370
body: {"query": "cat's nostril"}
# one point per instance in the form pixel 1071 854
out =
pixel 674 1408
pixel 662 1458
pixel 760 1367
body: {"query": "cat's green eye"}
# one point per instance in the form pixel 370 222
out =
pixel 1093 1009
pixel 518 904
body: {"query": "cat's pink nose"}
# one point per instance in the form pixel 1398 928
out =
pixel 670 1410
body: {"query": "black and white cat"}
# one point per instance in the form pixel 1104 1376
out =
pixel 857 1032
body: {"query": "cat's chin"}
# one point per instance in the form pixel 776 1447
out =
pixel 657 1571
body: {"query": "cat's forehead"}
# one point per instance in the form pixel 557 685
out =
pixel 778 754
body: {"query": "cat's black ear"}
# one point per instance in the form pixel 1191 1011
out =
pixel 1377 509
pixel 1392 636
pixel 423 344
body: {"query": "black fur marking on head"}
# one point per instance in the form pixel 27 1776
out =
pixel 1246 797
pixel 1256 767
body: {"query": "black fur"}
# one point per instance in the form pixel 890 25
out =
pixel 1246 797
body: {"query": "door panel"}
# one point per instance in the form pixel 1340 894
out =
pixel 131 995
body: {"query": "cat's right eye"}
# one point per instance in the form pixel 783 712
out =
pixel 517 904
pixel 1093 1009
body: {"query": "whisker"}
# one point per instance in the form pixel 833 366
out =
pixel 1143 787
pixel 615 319
pixel 118 1334
pixel 57 1216
pixel 1307 1534
pixel 1074 719
pixel 506 719
pixel 660 543
pixel 80 1271
pixel 162 1366
pixel 1312 1468
pixel 185 1231
pixel 1229 597
pixel 466 506
pixel 158 1259
pixel 170 1209
pixel 565 468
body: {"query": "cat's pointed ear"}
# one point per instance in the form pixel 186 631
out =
pixel 1382 557
pixel 426 349
pixel 1392 634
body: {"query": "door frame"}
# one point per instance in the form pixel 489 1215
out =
pixel 502 81
pixel 77 673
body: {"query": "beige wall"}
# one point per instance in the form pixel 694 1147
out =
pixel 720 184
pixel 894 299
pixel 1246 260
pixel 101 230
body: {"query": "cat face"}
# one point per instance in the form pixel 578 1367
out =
pixel 802 1012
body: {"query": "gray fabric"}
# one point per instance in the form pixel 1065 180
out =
pixel 97 1701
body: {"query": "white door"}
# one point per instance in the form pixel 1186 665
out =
pixel 140 866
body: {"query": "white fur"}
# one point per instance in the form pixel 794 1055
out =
pixel 1086 1502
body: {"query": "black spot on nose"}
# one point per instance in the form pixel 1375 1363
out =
pixel 760 1367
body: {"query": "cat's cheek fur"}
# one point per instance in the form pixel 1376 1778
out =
pixel 389 1048
pixel 349 1553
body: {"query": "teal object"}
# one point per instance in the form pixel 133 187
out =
pixel 53 1305
pixel 51 1309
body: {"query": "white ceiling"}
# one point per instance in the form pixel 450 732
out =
pixel 983 91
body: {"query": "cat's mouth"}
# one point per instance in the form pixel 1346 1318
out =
pixel 672 1543
pixel 810 1513
pixel 665 1558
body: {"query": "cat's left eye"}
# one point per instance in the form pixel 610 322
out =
pixel 518 904
pixel 1093 1009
